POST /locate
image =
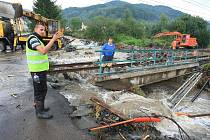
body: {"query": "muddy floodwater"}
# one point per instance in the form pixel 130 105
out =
pixel 79 93
pixel 78 90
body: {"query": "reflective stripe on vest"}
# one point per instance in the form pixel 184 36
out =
pixel 34 53
pixel 36 61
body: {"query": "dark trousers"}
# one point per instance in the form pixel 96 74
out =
pixel 40 88
pixel 104 59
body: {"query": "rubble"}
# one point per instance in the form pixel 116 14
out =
pixel 79 90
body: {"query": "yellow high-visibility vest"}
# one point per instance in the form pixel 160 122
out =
pixel 37 61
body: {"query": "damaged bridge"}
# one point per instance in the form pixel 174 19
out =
pixel 139 67
pixel 152 66
pixel 145 77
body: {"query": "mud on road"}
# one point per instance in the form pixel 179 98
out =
pixel 17 116
pixel 72 114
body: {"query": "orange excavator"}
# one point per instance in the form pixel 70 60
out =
pixel 181 40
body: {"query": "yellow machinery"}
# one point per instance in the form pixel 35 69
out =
pixel 11 26
pixel 6 33
pixel 52 26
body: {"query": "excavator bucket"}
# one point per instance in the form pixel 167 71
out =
pixel 10 10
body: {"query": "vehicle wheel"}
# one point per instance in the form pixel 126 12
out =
pixel 2 46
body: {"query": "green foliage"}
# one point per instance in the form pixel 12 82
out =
pixel 128 40
pixel 195 26
pixel 117 9
pixel 144 42
pixel 76 23
pixel 100 28
pixel 127 23
pixel 206 67
pixel 63 22
pixel 127 31
pixel 137 90
pixel 78 34
pixel 132 32
pixel 128 15
pixel 163 23
pixel 47 8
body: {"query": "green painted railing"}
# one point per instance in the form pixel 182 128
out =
pixel 143 59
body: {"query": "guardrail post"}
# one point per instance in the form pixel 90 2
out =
pixel 132 57
pixel 154 57
pixel 100 65
pixel 170 57
pixel 195 52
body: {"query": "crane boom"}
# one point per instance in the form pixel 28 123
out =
pixel 35 16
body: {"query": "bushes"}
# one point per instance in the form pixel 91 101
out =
pixel 206 67
pixel 140 33
pixel 145 42
pixel 128 40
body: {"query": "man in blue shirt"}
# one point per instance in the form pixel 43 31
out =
pixel 108 51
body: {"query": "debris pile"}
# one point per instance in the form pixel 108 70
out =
pixel 78 90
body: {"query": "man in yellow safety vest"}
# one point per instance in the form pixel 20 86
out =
pixel 38 64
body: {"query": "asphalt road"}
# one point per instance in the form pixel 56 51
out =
pixel 17 116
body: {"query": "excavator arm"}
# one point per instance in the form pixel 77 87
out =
pixel 181 40
pixel 168 34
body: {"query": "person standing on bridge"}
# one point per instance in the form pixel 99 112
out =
pixel 108 51
pixel 38 64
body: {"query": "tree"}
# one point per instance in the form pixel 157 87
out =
pixel 131 27
pixel 128 15
pixel 100 28
pixel 163 22
pixel 161 26
pixel 75 23
pixel 47 8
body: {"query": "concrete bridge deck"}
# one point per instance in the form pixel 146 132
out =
pixel 143 77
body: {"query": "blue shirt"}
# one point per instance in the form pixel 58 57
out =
pixel 108 49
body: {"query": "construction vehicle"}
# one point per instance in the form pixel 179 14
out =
pixel 51 25
pixel 181 40
pixel 11 26
pixel 6 33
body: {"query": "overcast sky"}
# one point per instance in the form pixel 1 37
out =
pixel 194 7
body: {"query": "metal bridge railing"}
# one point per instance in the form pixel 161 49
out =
pixel 143 59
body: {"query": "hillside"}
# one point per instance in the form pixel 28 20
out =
pixel 116 9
